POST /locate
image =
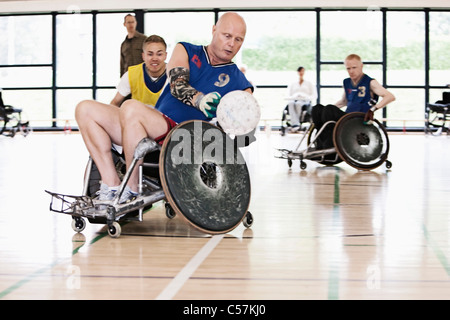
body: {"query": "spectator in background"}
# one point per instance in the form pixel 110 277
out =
pixel 131 48
pixel 300 95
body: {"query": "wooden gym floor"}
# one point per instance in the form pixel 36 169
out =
pixel 322 233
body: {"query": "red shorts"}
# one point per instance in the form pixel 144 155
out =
pixel 170 125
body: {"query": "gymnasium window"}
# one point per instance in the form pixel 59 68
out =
pixel 73 64
pixel 48 84
pixel 406 66
pixel 194 27
pixel 276 44
pixel 439 49
pixel 110 35
pixel 25 63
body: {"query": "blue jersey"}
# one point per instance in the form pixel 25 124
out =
pixel 358 97
pixel 205 78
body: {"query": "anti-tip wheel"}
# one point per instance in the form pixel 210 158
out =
pixel 388 164
pixel 114 230
pixel 303 165
pixel 78 224
pixel 248 220
pixel 170 213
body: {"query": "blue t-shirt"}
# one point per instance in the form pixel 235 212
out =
pixel 205 78
pixel 358 97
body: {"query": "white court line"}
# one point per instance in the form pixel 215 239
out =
pixel 174 286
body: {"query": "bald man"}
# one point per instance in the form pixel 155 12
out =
pixel 198 77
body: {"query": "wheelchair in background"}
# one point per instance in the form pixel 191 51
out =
pixel 11 120
pixel 362 146
pixel 286 120
pixel 437 114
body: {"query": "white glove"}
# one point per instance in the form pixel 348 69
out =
pixel 208 104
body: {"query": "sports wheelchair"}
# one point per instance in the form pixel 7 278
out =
pixel 198 170
pixel 11 120
pixel 437 114
pixel 305 117
pixel 362 146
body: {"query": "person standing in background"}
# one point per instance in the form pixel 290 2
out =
pixel 131 48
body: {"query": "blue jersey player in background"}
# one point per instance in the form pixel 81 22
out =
pixel 361 94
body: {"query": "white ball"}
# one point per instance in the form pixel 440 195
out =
pixel 238 113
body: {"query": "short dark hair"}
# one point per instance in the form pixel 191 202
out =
pixel 128 15
pixel 300 69
pixel 153 38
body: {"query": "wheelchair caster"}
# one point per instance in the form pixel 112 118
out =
pixel 289 163
pixel 114 230
pixel 303 165
pixel 388 164
pixel 78 224
pixel 248 220
pixel 170 213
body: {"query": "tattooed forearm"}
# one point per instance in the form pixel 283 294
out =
pixel 180 87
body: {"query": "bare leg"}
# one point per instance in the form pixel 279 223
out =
pixel 138 121
pixel 100 126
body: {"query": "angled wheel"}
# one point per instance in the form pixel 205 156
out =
pixel 362 146
pixel 204 177
pixel 78 224
pixel 114 229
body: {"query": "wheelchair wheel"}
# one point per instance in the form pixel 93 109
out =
pixel 204 177
pixel 360 145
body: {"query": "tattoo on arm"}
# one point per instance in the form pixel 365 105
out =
pixel 180 87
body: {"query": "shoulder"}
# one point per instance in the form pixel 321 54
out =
pixel 191 48
pixel 374 83
pixel 140 36
pixel 124 85
pixel 136 67
pixel 368 78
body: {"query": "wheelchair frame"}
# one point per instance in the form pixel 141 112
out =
pixel 285 122
pixel 111 213
pixel 439 112
pixel 10 114
pixel 320 155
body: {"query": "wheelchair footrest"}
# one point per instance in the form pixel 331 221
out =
pixel 305 154
pixel 84 206
pixel 69 204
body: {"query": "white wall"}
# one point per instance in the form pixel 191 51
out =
pixel 11 6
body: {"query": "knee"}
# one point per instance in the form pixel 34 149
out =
pixel 316 112
pixel 131 110
pixel 82 110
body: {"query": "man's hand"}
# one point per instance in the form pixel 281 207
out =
pixel 368 118
pixel 208 104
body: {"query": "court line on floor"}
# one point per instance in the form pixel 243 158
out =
pixel 42 270
pixel 333 275
pixel 437 250
pixel 180 279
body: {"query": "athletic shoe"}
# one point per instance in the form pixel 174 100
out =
pixel 106 193
pixel 128 195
